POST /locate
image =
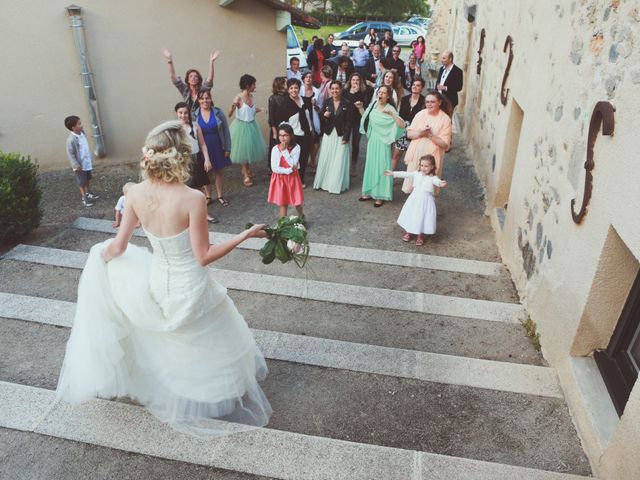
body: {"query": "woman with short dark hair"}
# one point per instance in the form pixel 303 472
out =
pixel 247 142
pixel 296 111
pixel 316 60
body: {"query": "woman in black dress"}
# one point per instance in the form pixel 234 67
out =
pixel 409 106
pixel 278 96
pixel 359 95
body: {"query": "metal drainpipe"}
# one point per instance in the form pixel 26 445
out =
pixel 77 27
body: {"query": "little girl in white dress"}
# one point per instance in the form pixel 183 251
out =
pixel 418 215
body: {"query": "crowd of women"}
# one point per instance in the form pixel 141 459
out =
pixel 316 120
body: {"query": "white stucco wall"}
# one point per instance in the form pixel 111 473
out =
pixel 41 84
pixel 567 57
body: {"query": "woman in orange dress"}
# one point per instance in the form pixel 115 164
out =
pixel 430 133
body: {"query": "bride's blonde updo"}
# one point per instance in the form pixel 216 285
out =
pixel 166 153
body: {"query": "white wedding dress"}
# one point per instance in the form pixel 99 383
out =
pixel 156 327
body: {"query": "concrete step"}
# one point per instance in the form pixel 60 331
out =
pixel 269 452
pixel 451 276
pixel 431 367
pixel 336 252
pixel 315 290
pixel 376 326
pixel 32 456
pixel 497 287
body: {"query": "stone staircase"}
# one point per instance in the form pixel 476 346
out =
pixel 383 365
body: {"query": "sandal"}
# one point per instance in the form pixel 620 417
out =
pixel 212 219
pixel 406 237
pixel 364 199
pixel 420 241
pixel 247 181
pixel 222 201
pixel 378 203
pixel 209 201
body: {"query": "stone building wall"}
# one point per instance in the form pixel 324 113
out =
pixel 530 155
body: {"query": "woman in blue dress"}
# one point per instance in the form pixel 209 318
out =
pixel 214 126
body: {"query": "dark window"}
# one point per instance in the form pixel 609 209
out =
pixel 620 362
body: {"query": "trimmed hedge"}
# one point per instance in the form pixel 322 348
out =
pixel 20 195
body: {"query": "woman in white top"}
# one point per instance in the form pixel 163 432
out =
pixel 247 142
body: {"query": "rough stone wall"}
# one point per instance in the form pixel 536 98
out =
pixel 438 31
pixel 568 55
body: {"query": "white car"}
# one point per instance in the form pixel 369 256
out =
pixel 294 50
pixel 405 34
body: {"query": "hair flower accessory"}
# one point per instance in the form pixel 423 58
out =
pixel 148 152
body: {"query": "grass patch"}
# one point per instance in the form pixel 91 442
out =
pixel 307 33
pixel 530 329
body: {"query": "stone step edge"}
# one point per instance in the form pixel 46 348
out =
pixel 268 452
pixel 338 354
pixel 314 290
pixel 337 252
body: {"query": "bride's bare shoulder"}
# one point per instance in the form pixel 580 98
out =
pixel 192 195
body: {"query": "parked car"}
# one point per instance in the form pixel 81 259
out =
pixel 422 22
pixel 294 49
pixel 405 34
pixel 357 32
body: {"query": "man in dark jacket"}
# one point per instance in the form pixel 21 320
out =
pixel 449 81
pixel 330 49
pixel 396 63
pixel 388 37
pixel 372 68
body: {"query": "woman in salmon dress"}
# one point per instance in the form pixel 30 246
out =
pixel 430 134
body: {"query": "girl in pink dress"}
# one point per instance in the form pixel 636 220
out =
pixel 286 188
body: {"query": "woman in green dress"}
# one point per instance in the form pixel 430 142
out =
pixel 383 126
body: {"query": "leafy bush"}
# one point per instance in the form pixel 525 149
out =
pixel 20 196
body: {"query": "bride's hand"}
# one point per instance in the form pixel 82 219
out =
pixel 257 231
pixel 106 258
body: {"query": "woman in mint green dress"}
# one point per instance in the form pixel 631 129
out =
pixel 383 126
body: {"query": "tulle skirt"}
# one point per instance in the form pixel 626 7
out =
pixel 247 142
pixel 194 368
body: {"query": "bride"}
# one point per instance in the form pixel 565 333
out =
pixel 156 327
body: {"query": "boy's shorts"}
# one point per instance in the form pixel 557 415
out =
pixel 82 177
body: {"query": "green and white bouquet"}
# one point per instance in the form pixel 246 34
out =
pixel 287 240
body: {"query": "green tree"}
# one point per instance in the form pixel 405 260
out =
pixel 394 9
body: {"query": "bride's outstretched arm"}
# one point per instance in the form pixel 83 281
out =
pixel 204 252
pixel 127 226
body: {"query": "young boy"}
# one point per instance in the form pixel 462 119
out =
pixel 80 157
pixel 120 205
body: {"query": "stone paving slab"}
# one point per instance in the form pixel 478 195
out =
pixel 315 290
pixel 431 367
pixel 266 452
pixel 337 252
